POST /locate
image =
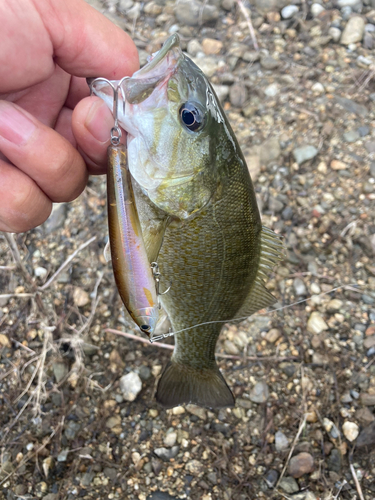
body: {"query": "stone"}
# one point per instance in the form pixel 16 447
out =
pixel 211 46
pixel 114 421
pixel 269 150
pixel 130 386
pixel 208 65
pixel 170 439
pixel 318 88
pixel 351 136
pixel 370 146
pixel 347 3
pixel 4 341
pixel 289 11
pixel 301 464
pixel 191 12
pixel 238 95
pixel 281 441
pixel 167 453
pixel 271 478
pixel 317 9
pixel 275 205
pixel 161 495
pixel 351 106
pixel 153 9
pixel 334 461
pixel 222 91
pixel 364 416
pixel 334 305
pixel 316 323
pixel 369 342
pixel 338 165
pixel 289 485
pixel 80 297
pixel 272 335
pixel 40 272
pixel 368 399
pixel 194 467
pixel 125 5
pixel 367 436
pixel 272 90
pixel 57 218
pixel 194 47
pixel 350 430
pixel 259 393
pixel 269 62
pixel 299 287
pixel 71 430
pixel 304 153
pixel 60 371
pixel 334 33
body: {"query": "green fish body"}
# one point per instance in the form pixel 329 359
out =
pixel 199 218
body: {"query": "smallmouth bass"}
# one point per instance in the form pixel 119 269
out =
pixel 199 217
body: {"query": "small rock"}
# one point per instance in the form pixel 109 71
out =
pixel 334 305
pixel 272 90
pixel 80 297
pixel 334 33
pixel 351 136
pixel 4 341
pixel 191 12
pixel 318 88
pixel 289 11
pixel 194 467
pixel 211 46
pixel 353 31
pixel 304 153
pixel 40 272
pixel 269 62
pixel 347 3
pixel 153 9
pixel 364 130
pixel 197 411
pixel 208 65
pixel 167 453
pixel 130 386
pixel 60 371
pixel 238 95
pixel 317 9
pixel 272 335
pixel 299 287
pixel 368 399
pixel 301 464
pixel 316 323
pixel 289 485
pixel 170 439
pixel 334 461
pixel 63 455
pixel 364 416
pixel 194 47
pixel 338 165
pixel 259 393
pixel 370 146
pixel 271 478
pixel 275 205
pixel 269 150
pixel 281 441
pixel 57 218
pixel 350 430
pixel 71 430
pixel 367 436
pixel 230 347
pixel 369 342
pixel 222 91
pixel 114 421
pixel 351 106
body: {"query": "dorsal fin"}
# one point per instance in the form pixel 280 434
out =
pixel 271 252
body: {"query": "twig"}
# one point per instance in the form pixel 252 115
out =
pixel 302 425
pixel 18 295
pixel 8 268
pixel 63 266
pixel 218 354
pixel 94 305
pixel 355 478
pixel 249 24
pixel 17 257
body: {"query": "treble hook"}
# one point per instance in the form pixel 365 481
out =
pixel 116 132
pixel 157 275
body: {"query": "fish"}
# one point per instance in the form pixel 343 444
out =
pixel 133 273
pixel 199 217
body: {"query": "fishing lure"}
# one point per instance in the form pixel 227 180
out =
pixel 137 280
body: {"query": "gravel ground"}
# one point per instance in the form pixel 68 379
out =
pixel 78 418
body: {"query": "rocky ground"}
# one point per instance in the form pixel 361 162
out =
pixel 78 418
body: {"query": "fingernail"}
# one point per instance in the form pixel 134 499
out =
pixel 15 126
pixel 99 121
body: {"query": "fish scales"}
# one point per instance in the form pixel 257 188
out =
pixel 199 218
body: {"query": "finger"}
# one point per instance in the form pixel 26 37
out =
pixel 91 124
pixel 41 153
pixel 23 204
pixel 78 90
pixel 64 126
pixel 86 43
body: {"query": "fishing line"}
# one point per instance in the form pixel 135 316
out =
pixel 233 320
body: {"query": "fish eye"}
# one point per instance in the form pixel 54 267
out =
pixel 191 116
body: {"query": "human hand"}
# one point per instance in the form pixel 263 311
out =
pixel 47 50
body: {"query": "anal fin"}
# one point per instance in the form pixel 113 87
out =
pixel 272 251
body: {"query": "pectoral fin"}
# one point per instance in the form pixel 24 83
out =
pixel 272 251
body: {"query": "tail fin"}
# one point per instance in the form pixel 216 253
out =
pixel 181 383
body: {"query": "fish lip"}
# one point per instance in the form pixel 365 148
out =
pixel 170 43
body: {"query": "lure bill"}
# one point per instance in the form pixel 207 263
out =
pixel 132 270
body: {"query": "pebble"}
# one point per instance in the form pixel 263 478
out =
pixel 351 136
pixel 275 205
pixel 194 47
pixel 347 3
pixel 334 461
pixel 317 9
pixel 272 90
pixel 238 95
pixel 338 165
pixel 114 421
pixel 334 33
pixel 350 430
pixel 166 453
pixel 80 297
pixel 318 88
pixel 194 467
pixel 170 439
pixel 60 371
pixel 40 272
pixel 369 342
pixel 211 46
pixel 271 478
pixel 353 31
pixel 367 436
pixel 272 335
pixel 130 386
pixel 289 485
pixel 351 106
pixel 281 441
pixel 301 464
pixel 57 218
pixel 4 341
pixel 304 153
pixel 259 393
pixel 334 305
pixel 316 323
pixel 269 150
pixel 191 12
pixel 299 287
pixel 269 62
pixel 125 5
pixel 289 11
pixel 368 399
